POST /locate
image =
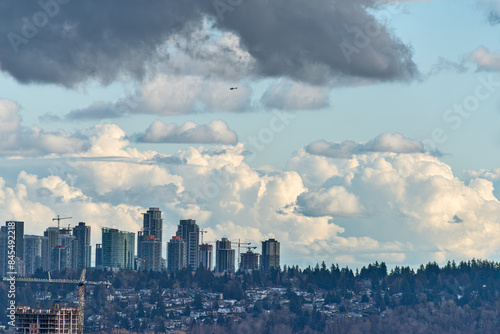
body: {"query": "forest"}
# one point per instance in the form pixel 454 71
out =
pixel 454 298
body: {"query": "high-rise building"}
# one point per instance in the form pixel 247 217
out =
pixel 45 254
pixel 35 252
pixel 270 258
pixel 206 254
pixel 189 231
pixel 13 232
pixel 224 256
pixel 176 254
pixel 60 258
pixel 249 261
pixel 52 233
pixel 118 248
pixel 84 253
pixel 98 255
pixel 19 233
pixel 149 241
pixel 65 254
pixel 153 223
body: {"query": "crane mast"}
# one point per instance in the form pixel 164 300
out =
pixel 58 218
pixel 81 291
pixel 239 243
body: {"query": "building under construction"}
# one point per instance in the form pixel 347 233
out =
pixel 57 320
pixel 249 261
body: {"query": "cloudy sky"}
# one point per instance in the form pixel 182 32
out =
pixel 360 130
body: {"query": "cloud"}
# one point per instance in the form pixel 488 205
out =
pixel 393 142
pixel 405 196
pixel 16 139
pixel 335 201
pixel 322 42
pixel 216 131
pixel 287 95
pixel 445 65
pixel 493 9
pixel 36 200
pixel 456 220
pixel 98 110
pixel 492 175
pixel 379 205
pixel 485 60
pixel 68 44
pixel 172 95
pixel 387 142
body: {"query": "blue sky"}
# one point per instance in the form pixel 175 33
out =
pixel 346 161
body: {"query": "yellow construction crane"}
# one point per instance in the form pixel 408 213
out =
pixel 59 220
pixel 81 291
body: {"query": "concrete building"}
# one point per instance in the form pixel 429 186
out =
pixel 19 233
pixel 53 321
pixel 176 254
pixel 206 255
pixel 149 241
pixel 189 231
pixel 118 248
pixel 98 255
pixel 65 254
pixel 36 253
pixel 249 261
pixel 84 253
pixel 52 233
pixel 270 258
pixel 12 232
pixel 224 256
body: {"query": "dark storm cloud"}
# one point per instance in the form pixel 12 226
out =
pixel 492 10
pixel 67 42
pixel 312 40
pixel 494 18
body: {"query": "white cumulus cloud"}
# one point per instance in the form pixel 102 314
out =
pixel 216 131
pixel 291 95
pixel 386 142
pixel 16 139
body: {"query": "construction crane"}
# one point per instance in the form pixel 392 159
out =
pixel 81 290
pixel 239 243
pixel 59 220
pixel 202 231
pixel 250 247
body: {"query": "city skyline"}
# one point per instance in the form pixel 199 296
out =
pixel 350 131
pixel 70 248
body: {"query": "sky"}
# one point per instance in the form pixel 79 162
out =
pixel 356 131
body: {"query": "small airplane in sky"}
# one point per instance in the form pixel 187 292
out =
pixel 233 88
